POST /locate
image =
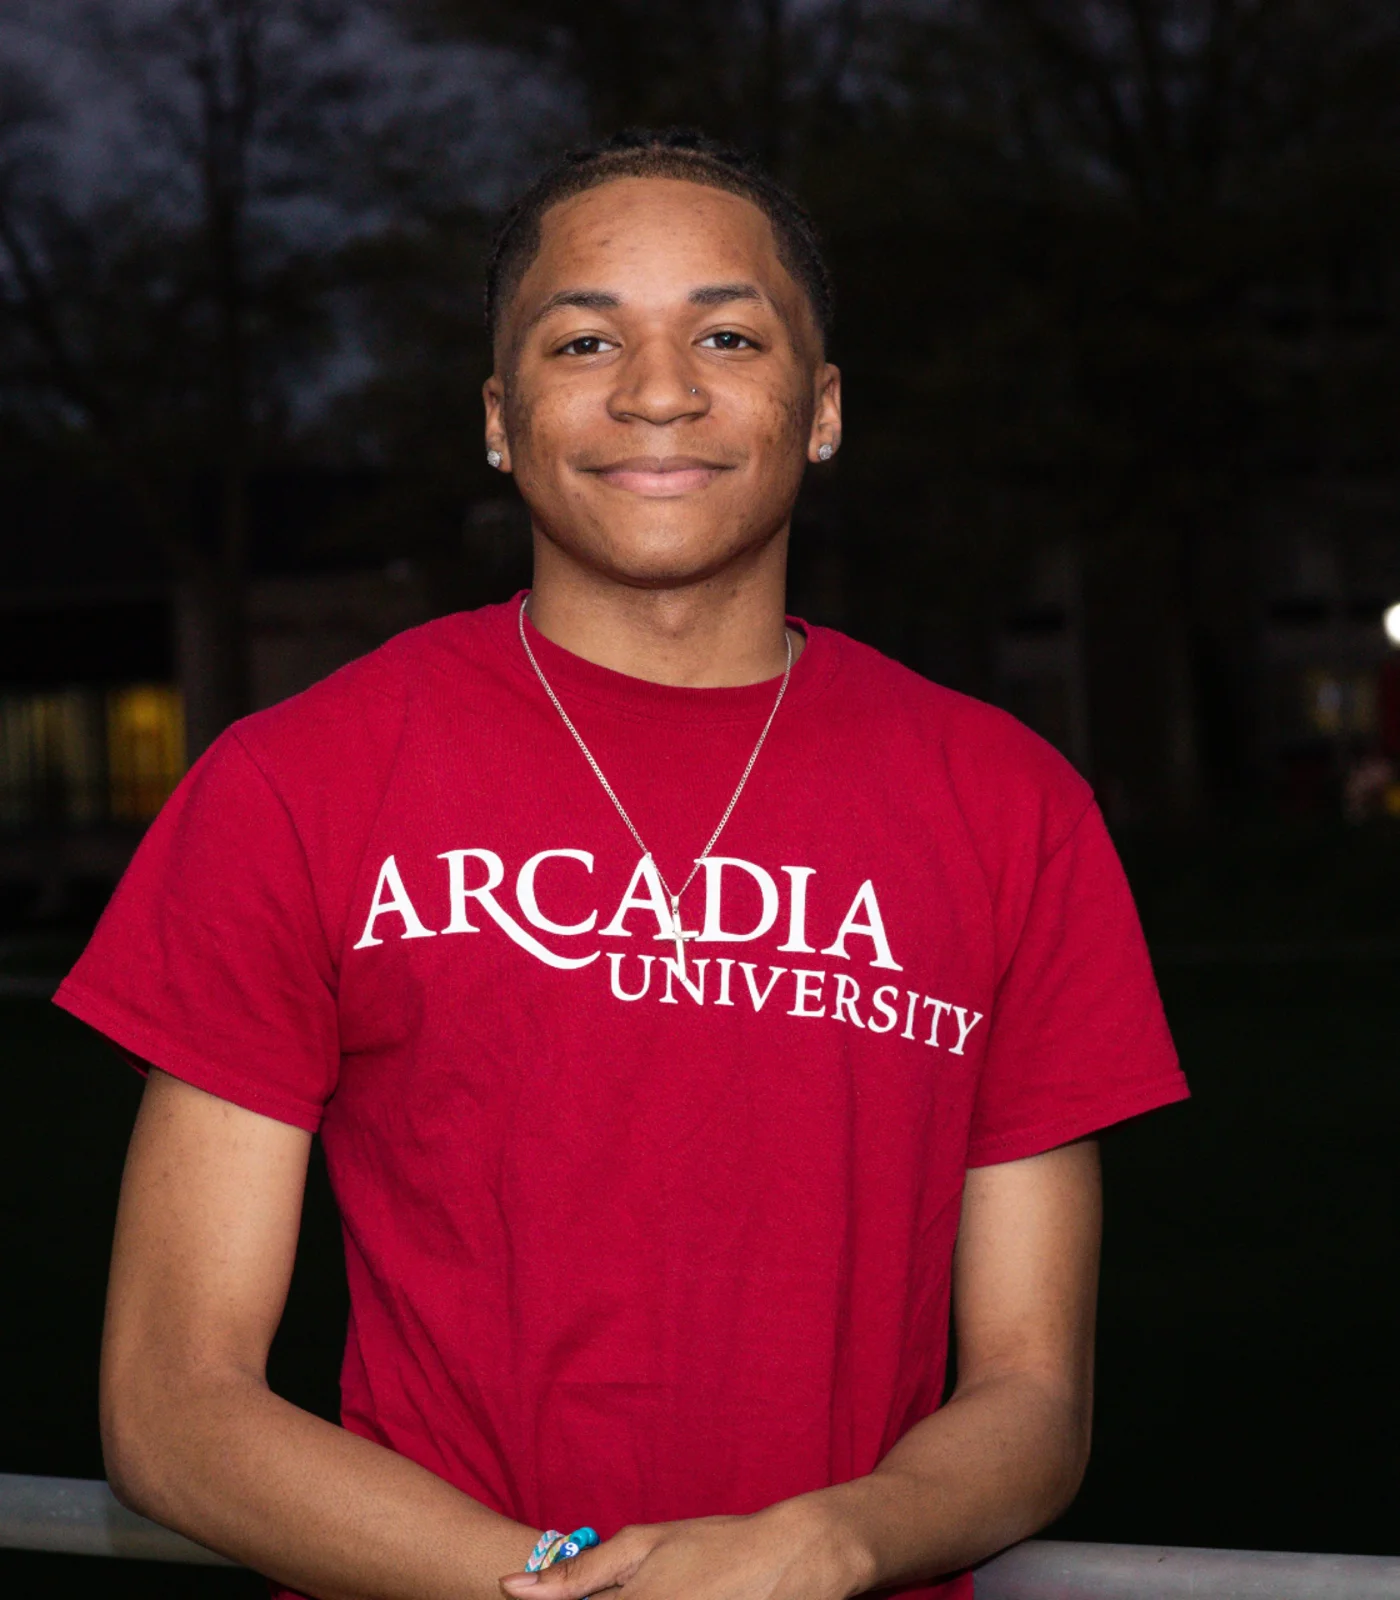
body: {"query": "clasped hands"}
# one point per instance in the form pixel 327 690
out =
pixel 791 1551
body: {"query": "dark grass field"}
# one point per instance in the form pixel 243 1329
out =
pixel 1250 1313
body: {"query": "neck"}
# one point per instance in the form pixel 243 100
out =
pixel 717 632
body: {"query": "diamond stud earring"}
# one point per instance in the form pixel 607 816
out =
pixel 825 452
pixel 494 458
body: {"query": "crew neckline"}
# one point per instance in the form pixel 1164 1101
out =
pixel 573 677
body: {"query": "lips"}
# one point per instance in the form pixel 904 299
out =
pixel 660 477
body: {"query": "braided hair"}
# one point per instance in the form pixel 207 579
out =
pixel 682 153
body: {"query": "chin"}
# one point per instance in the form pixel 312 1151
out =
pixel 655 557
pixel 659 569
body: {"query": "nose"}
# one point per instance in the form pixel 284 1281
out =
pixel 656 385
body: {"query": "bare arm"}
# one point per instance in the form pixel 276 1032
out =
pixel 193 1437
pixel 999 1461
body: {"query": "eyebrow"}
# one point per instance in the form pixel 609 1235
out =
pixel 583 299
pixel 719 294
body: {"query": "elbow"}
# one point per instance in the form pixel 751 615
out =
pixel 152 1421
pixel 131 1449
pixel 167 1426
pixel 1067 1464
pixel 127 1488
pixel 1067 1484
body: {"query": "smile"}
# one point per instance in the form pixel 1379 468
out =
pixel 660 477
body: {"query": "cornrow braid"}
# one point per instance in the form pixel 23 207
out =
pixel 683 153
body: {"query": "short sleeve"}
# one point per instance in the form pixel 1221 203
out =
pixel 210 962
pixel 1078 1038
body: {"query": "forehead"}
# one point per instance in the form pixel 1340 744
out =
pixel 653 232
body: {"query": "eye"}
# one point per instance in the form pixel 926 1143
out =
pixel 727 339
pixel 587 344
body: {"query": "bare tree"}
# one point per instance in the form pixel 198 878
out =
pixel 177 319
pixel 1053 224
pixel 767 73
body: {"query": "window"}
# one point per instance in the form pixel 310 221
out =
pixel 75 757
pixel 1336 704
pixel 145 750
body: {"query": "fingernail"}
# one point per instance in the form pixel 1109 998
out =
pixel 521 1580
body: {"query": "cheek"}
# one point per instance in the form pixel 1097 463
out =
pixel 778 414
pixel 533 433
pixel 778 423
pixel 547 425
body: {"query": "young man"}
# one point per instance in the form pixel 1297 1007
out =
pixel 673 986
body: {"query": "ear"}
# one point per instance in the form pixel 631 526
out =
pixel 493 396
pixel 826 414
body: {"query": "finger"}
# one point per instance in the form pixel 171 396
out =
pixel 604 1567
pixel 568 1580
pixel 571 1579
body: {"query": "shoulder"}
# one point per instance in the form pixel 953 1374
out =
pixel 349 725
pixel 1004 779
pixel 290 795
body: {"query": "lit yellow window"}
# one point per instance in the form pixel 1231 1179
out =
pixel 145 749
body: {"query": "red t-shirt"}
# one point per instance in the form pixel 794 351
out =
pixel 628 1243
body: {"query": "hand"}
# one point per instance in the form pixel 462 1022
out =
pixel 789 1552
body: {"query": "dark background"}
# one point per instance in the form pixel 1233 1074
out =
pixel 1118 323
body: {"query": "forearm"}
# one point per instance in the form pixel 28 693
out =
pixel 1002 1458
pixel 994 1465
pixel 303 1501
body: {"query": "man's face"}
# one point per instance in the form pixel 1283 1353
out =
pixel 659 384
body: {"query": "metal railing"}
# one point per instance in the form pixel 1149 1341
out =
pixel 82 1517
pixel 1051 1569
pixel 79 1516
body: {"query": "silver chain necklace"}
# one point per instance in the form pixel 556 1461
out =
pixel 678 933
